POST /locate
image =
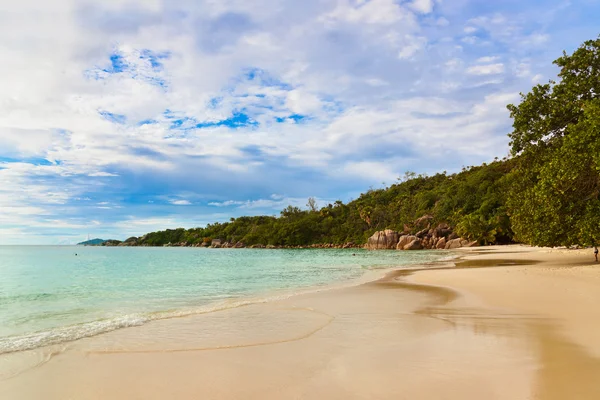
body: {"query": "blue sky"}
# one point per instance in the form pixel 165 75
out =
pixel 125 117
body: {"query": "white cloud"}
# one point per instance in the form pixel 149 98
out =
pixel 301 102
pixel 371 171
pixel 135 226
pixel 453 63
pixel 384 12
pixel 146 222
pixel 535 39
pixel 227 203
pixel 489 69
pixel 443 22
pixel 487 59
pixel 412 46
pixel 274 203
pixel 102 173
pixel 180 202
pixel 470 39
pixel 523 70
pixel 376 82
pixel 422 6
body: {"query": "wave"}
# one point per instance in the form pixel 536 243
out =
pixel 65 334
pixel 60 335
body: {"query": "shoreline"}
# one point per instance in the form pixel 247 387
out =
pixel 64 335
pixel 467 334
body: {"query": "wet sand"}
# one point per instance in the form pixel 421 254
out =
pixel 559 289
pixel 472 332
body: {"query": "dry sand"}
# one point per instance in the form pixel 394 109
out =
pixel 479 331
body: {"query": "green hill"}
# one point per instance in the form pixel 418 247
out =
pixel 92 242
pixel 472 202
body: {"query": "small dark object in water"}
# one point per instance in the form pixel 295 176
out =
pixel 353 254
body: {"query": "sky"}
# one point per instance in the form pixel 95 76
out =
pixel 118 118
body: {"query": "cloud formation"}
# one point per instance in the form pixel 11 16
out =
pixel 121 117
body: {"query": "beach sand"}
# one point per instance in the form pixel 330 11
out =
pixel 527 329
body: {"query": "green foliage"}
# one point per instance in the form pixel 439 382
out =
pixel 554 196
pixel 476 227
pixel 463 199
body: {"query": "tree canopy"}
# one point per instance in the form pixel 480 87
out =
pixel 554 197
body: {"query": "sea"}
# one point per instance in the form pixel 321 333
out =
pixel 56 294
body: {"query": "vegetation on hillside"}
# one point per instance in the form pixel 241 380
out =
pixel 555 187
pixel 92 242
pixel 546 194
pixel 472 201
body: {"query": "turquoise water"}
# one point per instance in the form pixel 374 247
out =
pixel 50 295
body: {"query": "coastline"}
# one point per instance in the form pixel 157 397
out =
pixel 417 333
pixel 372 270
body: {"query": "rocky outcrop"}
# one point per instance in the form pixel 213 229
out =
pixel 423 233
pixel 428 242
pixel 452 244
pixel 423 221
pixel 383 240
pixel 404 240
pixel 440 237
pixel 441 243
pixel 414 245
pixel 460 242
pixel 216 243
pixel 442 231
pixel 456 243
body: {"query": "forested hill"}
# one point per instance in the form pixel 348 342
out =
pixel 472 201
pixel 92 242
pixel 547 193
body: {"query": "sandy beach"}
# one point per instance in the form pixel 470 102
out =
pixel 509 322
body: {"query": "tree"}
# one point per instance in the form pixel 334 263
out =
pixel 291 211
pixel 476 227
pixel 408 175
pixel 556 139
pixel 312 204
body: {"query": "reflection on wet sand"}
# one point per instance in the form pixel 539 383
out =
pixel 483 263
pixel 547 296
pixel 567 370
